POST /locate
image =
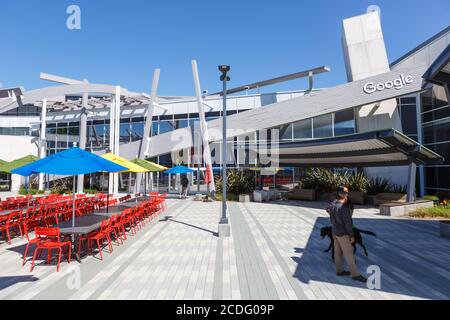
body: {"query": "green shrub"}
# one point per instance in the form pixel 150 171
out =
pixel 61 186
pixel 358 182
pixel 324 180
pixel 395 188
pixel 90 190
pixel 431 198
pixel 378 185
pixel 238 182
pixel 33 191
pixel 434 212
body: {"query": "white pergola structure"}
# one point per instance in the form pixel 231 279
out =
pixel 54 99
pixel 100 96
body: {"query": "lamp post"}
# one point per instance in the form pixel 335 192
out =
pixel 224 227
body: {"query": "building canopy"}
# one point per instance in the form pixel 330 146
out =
pixel 368 149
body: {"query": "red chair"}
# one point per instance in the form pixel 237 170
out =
pixel 112 230
pixel 99 237
pixel 35 241
pixel 13 222
pixel 49 239
pixel 119 227
pixel 128 220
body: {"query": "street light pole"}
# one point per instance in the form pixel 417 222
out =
pixel 224 227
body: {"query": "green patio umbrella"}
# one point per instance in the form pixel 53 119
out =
pixel 8 166
pixel 150 166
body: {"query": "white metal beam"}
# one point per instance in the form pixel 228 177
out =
pixel 203 126
pixel 145 142
pixel 42 140
pixel 59 79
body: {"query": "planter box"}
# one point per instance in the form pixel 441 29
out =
pixel 444 227
pixel 369 199
pixel 403 209
pixel 244 198
pixel 356 197
pixel 301 194
pixel 326 197
pixel 387 197
pixel 259 195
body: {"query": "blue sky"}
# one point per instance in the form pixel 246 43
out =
pixel 121 42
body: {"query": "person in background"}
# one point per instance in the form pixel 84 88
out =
pixel 184 186
pixel 342 229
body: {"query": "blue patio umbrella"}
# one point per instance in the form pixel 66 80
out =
pixel 178 170
pixel 73 161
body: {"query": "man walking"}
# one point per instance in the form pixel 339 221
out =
pixel 342 229
pixel 184 186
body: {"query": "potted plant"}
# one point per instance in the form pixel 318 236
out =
pixel 299 192
pixel 374 187
pixel 240 184
pixel 357 184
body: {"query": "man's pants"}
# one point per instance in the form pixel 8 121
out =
pixel 343 247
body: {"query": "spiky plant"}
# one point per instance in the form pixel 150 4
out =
pixel 358 182
pixel 378 185
pixel 238 182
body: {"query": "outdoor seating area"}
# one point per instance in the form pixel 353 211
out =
pixel 47 223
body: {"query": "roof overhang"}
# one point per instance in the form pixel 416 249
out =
pixel 368 149
pixel 439 71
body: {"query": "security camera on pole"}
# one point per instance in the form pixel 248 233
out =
pixel 224 227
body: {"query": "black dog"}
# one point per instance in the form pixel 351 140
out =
pixel 326 232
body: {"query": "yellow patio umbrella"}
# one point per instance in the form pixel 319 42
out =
pixel 132 167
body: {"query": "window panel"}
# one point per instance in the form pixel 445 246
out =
pixel 436 133
pixel 322 126
pixel 137 131
pixel 344 122
pixel 302 129
pixel 409 119
pixel 285 132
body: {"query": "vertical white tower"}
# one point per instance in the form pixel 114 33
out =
pixel 365 56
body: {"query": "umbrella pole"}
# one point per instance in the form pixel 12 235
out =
pixel 27 179
pixel 145 184
pixel 107 196
pixel 73 207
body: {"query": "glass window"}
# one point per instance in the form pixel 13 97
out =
pixel 322 126
pixel 98 134
pixel 436 114
pixel 193 121
pixel 137 131
pixel 165 126
pixel 285 132
pixel 154 128
pixel 124 133
pixel 438 178
pixel 436 133
pixel 409 119
pixel 182 123
pixel 442 149
pixel 302 129
pixel 344 122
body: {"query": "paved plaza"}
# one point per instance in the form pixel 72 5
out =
pixel 274 252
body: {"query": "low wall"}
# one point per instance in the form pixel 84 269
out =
pixel 403 209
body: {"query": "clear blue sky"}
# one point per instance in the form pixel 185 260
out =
pixel 121 42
